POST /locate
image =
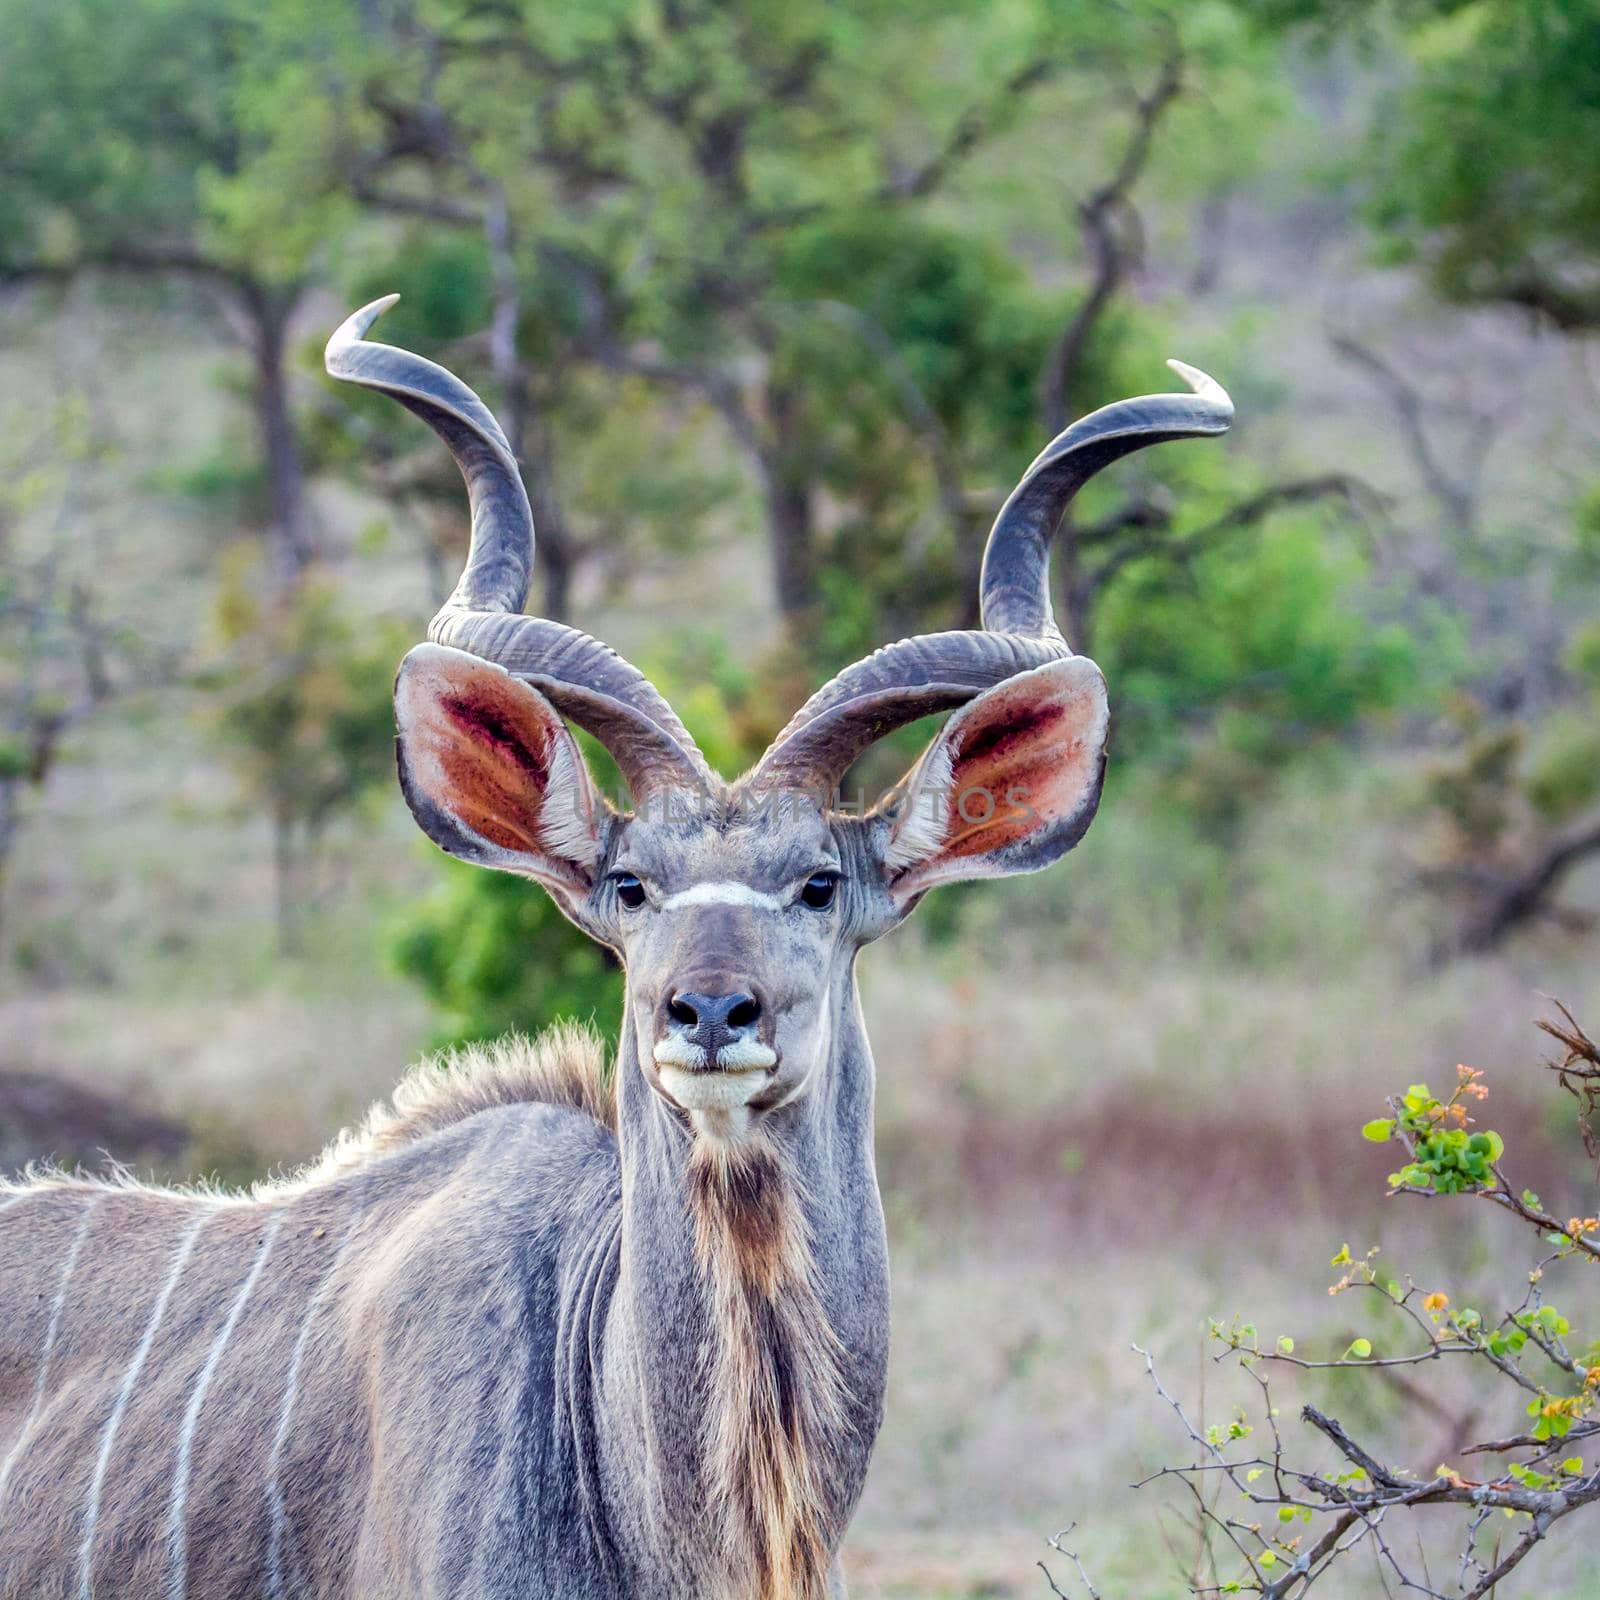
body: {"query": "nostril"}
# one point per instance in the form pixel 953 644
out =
pixel 744 1011
pixel 683 1014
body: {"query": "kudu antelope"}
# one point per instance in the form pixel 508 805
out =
pixel 539 1330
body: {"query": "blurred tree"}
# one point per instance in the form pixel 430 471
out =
pixel 64 656
pixel 1475 167
pixel 495 956
pixel 722 199
pixel 578 145
pixel 1515 811
pixel 1482 176
pixel 630 483
pixel 305 715
pixel 122 138
pixel 55 672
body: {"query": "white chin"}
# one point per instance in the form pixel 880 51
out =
pixel 713 1091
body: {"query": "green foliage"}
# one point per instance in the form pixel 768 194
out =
pixel 1251 653
pixel 445 287
pixel 959 321
pixel 303 716
pixel 86 100
pixel 1478 174
pixel 495 956
pixel 1470 167
pixel 127 136
pixel 1444 1156
pixel 308 720
pixel 1264 630
pixel 1564 767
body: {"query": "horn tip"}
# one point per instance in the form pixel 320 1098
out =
pixel 1203 385
pixel 354 327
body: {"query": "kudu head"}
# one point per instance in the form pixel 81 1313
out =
pixel 737 907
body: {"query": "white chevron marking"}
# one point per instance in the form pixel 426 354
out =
pixel 49 1343
pixel 108 1437
pixel 278 1524
pixel 177 1531
pixel 722 894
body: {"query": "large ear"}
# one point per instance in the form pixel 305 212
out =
pixel 1010 784
pixel 491 773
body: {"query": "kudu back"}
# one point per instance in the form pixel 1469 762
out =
pixel 540 1328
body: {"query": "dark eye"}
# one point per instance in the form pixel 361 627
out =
pixel 629 890
pixel 819 890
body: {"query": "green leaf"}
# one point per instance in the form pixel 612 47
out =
pixel 1285 1513
pixel 1378 1130
pixel 1286 1345
pixel 1359 1350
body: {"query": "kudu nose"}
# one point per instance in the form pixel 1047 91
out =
pixel 713 1020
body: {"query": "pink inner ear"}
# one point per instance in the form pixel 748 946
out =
pixel 1033 756
pixel 490 751
pixel 485 722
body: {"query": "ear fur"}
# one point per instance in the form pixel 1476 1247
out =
pixel 1010 784
pixel 491 773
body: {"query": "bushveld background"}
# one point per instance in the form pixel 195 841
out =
pixel 776 301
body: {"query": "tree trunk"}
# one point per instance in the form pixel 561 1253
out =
pixel 1078 590
pixel 557 551
pixel 10 823
pixel 524 431
pixel 286 896
pixel 269 311
pixel 790 512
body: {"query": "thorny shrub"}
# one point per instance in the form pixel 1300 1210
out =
pixel 1275 1526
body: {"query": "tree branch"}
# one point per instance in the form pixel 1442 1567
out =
pixel 1110 256
pixel 1457 497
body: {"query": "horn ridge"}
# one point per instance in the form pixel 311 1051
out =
pixel 939 671
pixel 587 681
pixel 500 555
pixel 1015 583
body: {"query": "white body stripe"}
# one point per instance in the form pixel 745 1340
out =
pixel 49 1344
pixel 278 1520
pixel 108 1437
pixel 723 894
pixel 177 1531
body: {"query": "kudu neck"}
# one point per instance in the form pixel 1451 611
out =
pixel 751 1315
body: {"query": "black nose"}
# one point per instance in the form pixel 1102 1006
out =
pixel 713 1020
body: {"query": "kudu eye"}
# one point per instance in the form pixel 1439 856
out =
pixel 819 890
pixel 629 890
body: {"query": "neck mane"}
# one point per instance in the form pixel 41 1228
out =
pixel 772 1246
